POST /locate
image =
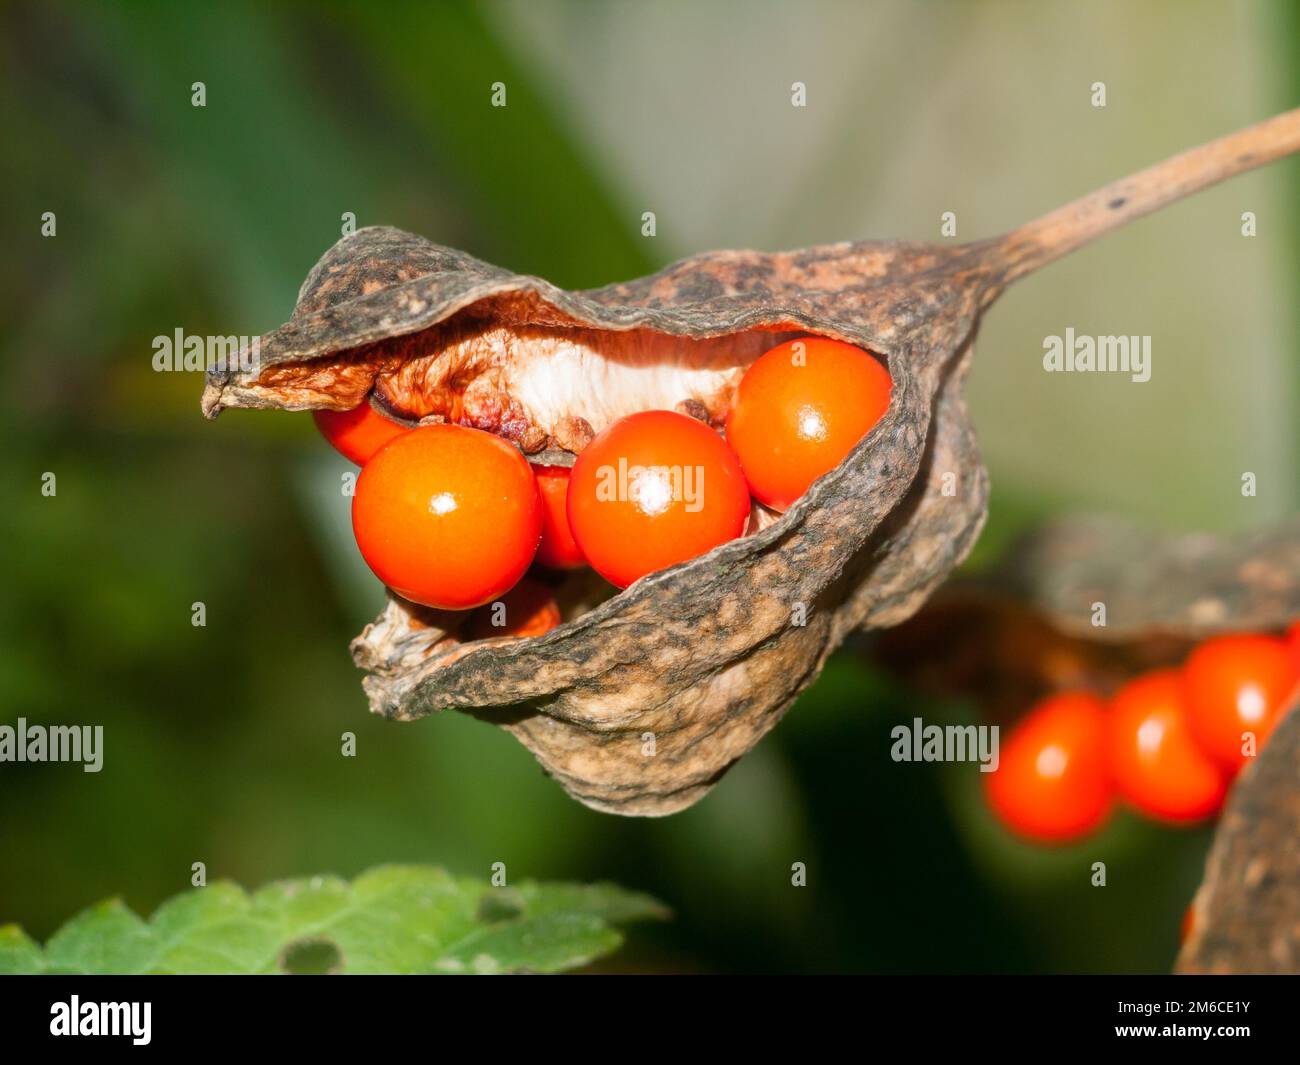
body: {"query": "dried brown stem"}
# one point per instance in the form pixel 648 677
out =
pixel 1047 239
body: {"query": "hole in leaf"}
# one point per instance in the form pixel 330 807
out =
pixel 313 956
pixel 500 904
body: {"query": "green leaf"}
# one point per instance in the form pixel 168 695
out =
pixel 392 919
pixel 18 954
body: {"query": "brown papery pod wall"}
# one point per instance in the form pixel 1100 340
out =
pixel 707 655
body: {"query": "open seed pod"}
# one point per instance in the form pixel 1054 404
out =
pixel 1089 602
pixel 1024 630
pixel 707 655
pixel 638 704
pixel 1154 584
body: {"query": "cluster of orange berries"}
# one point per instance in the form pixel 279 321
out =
pixel 452 517
pixel 1168 743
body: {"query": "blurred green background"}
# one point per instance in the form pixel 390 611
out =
pixel 222 743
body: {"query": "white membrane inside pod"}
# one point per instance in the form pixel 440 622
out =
pixel 555 373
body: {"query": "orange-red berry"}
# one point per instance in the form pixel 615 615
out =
pixel 559 550
pixel 1155 764
pixel 1293 644
pixel 652 490
pixel 1236 687
pixel 447 516
pixel 528 609
pixel 358 433
pixel 1051 784
pixel 799 410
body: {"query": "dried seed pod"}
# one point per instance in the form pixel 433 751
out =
pixel 1153 584
pixel 1247 911
pixel 1033 624
pixel 638 704
pixel 1024 629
